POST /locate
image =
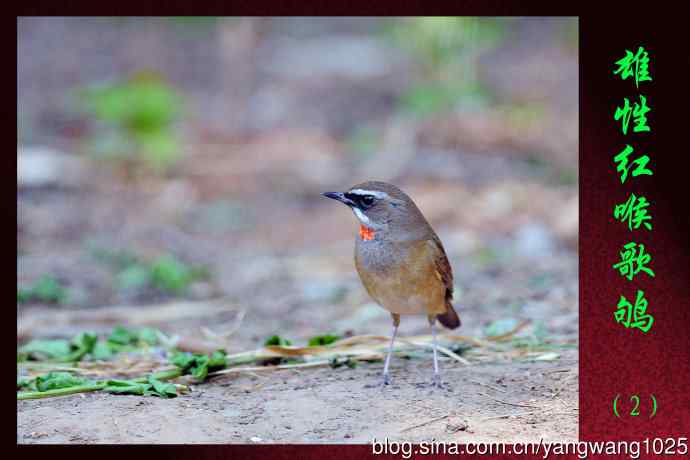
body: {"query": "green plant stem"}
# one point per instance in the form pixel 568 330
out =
pixel 60 391
pixel 163 375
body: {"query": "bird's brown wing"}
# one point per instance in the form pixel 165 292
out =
pixel 443 266
pixel 450 318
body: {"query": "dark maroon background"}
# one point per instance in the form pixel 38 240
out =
pixel 613 359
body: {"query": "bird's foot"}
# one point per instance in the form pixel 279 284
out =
pixel 386 380
pixel 436 381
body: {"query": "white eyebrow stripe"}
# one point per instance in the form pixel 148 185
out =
pixel 376 193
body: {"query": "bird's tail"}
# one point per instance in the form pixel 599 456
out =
pixel 450 318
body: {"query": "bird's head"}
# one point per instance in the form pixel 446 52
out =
pixel 381 208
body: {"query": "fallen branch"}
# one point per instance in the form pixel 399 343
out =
pixel 237 370
pixel 428 422
pixel 508 403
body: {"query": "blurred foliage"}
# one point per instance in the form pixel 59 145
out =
pixel 122 337
pixel 165 273
pixel 137 117
pixel 446 49
pixel 428 98
pixel 171 275
pixel 276 340
pixel 325 339
pixel 47 290
pixel 60 350
pixel 44 349
pixel 86 345
pixel 440 41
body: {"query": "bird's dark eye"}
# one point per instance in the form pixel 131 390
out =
pixel 367 200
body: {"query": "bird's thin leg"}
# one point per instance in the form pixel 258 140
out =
pixel 437 376
pixel 386 375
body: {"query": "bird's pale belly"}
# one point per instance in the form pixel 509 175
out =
pixel 406 288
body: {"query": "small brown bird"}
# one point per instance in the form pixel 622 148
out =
pixel 400 259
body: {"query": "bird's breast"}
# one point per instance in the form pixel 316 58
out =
pixel 401 277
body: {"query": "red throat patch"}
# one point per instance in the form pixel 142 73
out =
pixel 366 233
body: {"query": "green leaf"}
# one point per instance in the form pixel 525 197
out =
pixel 196 365
pixel 148 335
pixel 143 103
pixel 47 349
pixel 170 275
pixel 218 359
pixel 153 387
pixel 183 360
pixel 55 380
pixel 277 340
pixel 325 339
pixel 200 368
pixel 122 336
pixel 24 383
pixel 126 387
pixel 47 289
pixel 162 389
pixel 85 340
pixel 101 351
pixel 199 365
pixel 84 343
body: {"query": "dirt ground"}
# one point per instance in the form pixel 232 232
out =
pixel 488 402
pixel 244 202
pixel 499 397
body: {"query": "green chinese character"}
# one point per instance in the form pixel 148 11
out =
pixel 632 262
pixel 634 316
pixel 638 111
pixel 634 212
pixel 636 65
pixel 622 160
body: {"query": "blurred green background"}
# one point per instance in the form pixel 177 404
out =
pixel 182 158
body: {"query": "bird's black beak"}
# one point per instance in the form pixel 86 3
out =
pixel 339 196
